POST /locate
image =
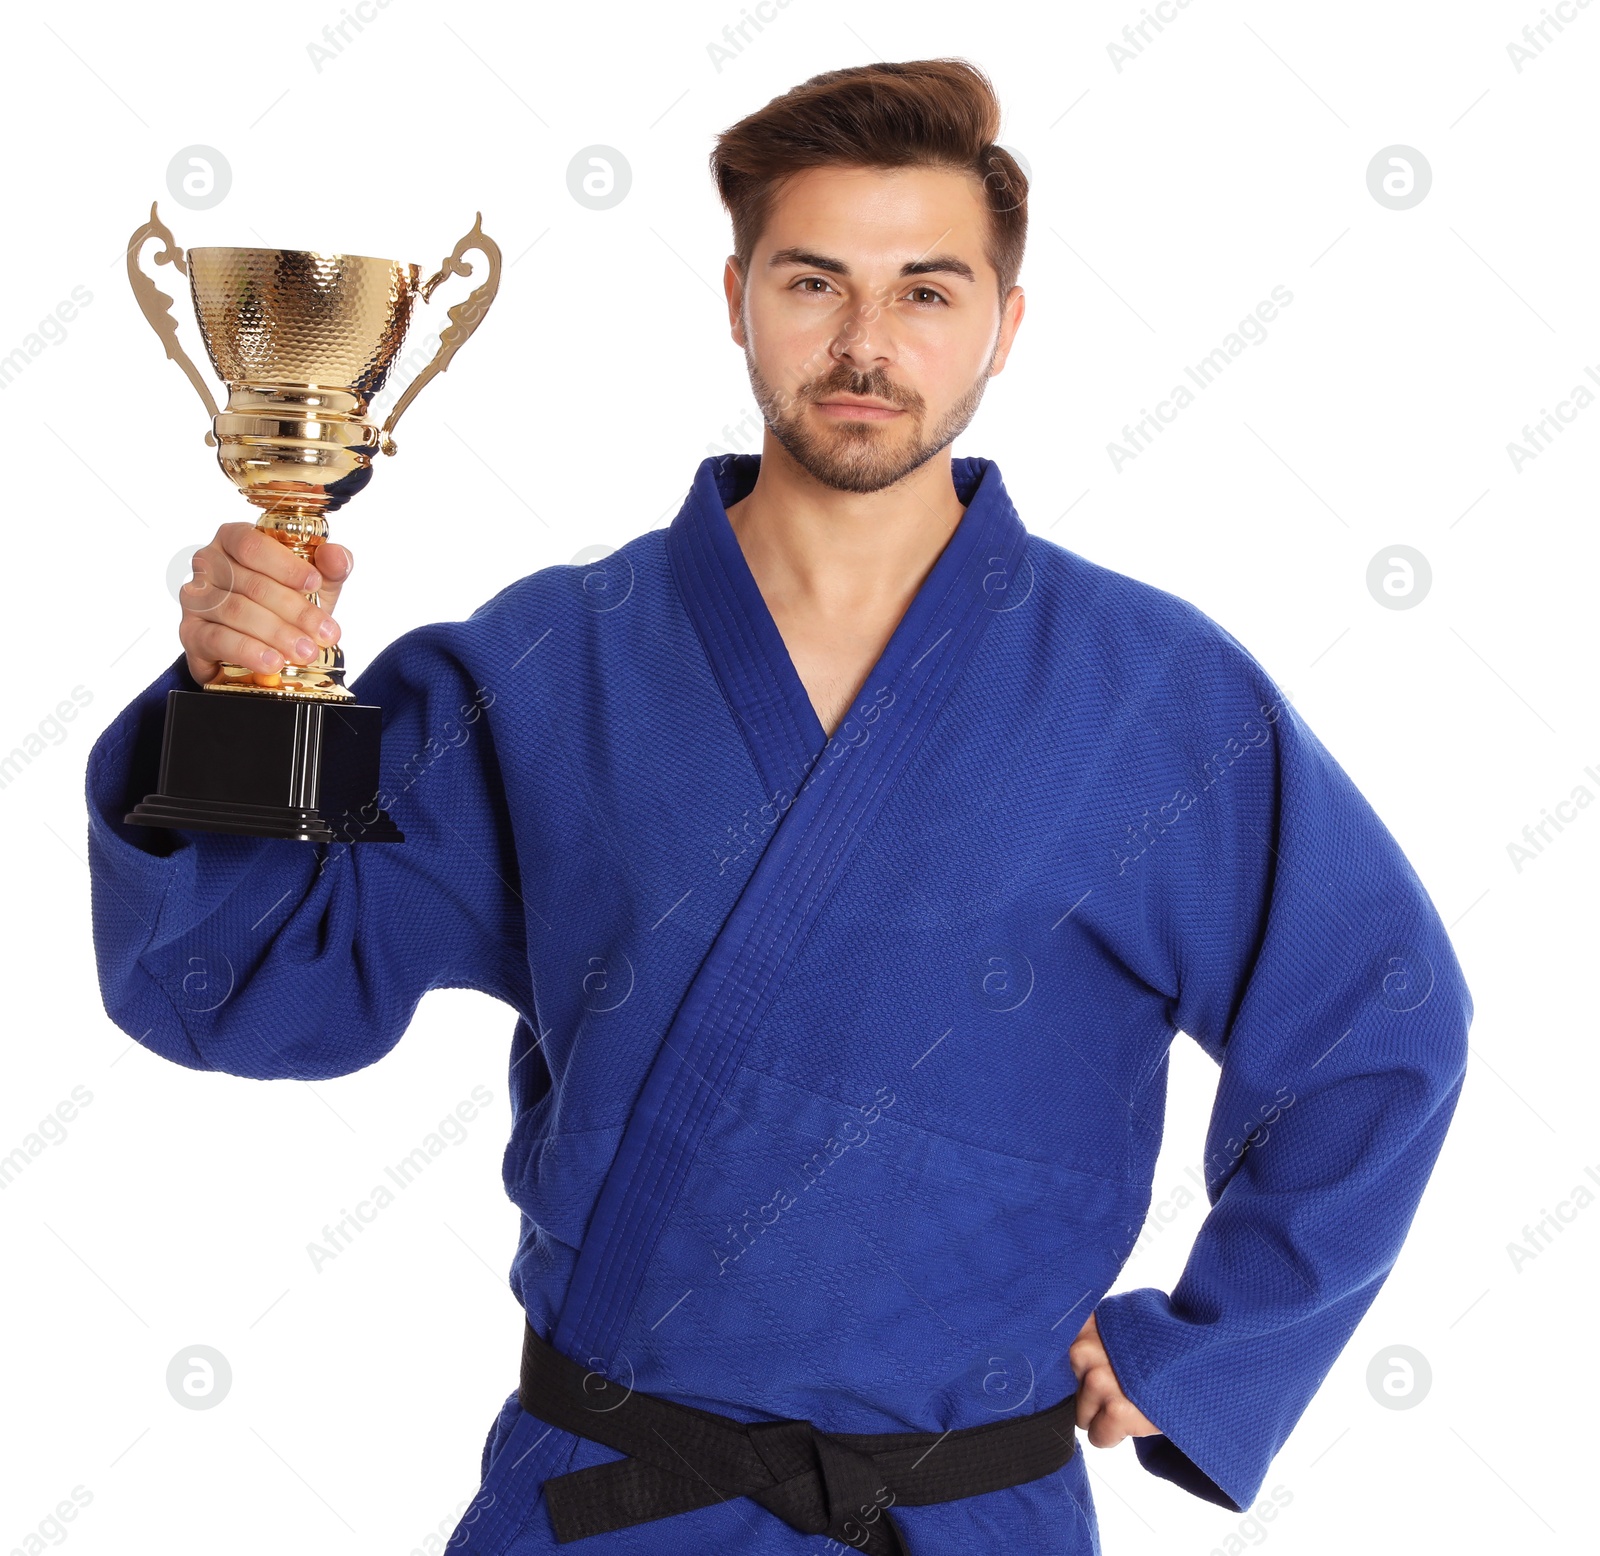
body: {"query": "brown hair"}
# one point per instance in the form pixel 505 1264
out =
pixel 921 113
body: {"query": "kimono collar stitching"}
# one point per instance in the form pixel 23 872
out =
pixel 746 652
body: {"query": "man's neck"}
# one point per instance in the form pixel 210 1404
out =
pixel 829 553
pixel 838 569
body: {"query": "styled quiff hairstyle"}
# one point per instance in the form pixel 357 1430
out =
pixel 921 113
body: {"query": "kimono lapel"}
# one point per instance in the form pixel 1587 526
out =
pixel 829 791
pixel 742 642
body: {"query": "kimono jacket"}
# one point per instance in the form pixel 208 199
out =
pixel 839 1067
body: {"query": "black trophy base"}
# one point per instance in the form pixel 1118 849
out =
pixel 294 767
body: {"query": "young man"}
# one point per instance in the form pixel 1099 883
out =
pixel 850 876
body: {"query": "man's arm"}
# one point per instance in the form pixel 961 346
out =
pixel 1310 963
pixel 269 958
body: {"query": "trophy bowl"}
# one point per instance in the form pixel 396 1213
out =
pixel 303 342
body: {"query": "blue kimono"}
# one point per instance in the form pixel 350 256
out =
pixel 838 1076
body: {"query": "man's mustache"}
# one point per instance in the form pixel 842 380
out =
pixel 874 384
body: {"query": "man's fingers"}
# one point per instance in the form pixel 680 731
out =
pixel 1093 1392
pixel 257 551
pixel 1104 1431
pixel 237 625
pixel 1116 1419
pixel 1104 1412
pixel 209 596
pixel 247 603
pixel 257 601
pixel 201 670
pixel 209 642
pixel 334 563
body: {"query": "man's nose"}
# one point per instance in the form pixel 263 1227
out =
pixel 864 338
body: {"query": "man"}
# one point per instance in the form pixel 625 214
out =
pixel 850 873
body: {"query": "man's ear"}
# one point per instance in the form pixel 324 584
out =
pixel 1010 319
pixel 733 289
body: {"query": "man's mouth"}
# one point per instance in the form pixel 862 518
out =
pixel 848 408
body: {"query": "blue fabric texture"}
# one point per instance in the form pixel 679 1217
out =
pixel 839 1063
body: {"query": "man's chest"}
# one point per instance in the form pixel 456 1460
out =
pixel 833 655
pixel 955 931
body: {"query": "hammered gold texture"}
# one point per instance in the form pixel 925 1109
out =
pixel 285 316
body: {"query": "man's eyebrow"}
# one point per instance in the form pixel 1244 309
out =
pixel 939 264
pixel 810 260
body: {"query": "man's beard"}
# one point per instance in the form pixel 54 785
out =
pixel 863 456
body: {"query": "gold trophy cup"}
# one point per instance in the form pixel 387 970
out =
pixel 303 340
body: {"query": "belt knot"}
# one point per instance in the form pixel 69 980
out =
pixel 821 1486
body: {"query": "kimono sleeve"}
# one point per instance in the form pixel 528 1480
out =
pixel 271 958
pixel 1310 963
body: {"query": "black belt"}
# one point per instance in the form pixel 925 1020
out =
pixel 833 1483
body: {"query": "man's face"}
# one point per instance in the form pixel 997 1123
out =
pixel 870 319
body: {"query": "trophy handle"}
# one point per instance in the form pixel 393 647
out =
pixel 157 306
pixel 465 317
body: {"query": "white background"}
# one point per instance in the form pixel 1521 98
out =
pixel 1169 197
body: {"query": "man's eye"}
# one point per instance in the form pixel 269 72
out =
pixel 927 295
pixel 805 281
